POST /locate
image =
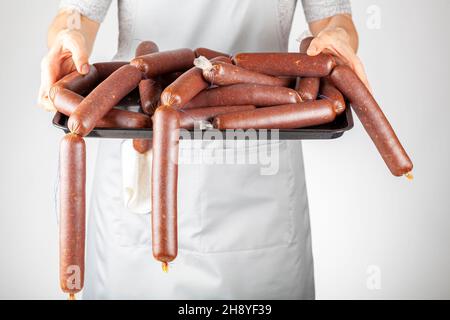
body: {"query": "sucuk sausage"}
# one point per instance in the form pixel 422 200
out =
pixel 102 99
pixel 168 78
pixel 222 59
pixel 130 100
pixel 149 89
pixel 184 88
pixel 116 118
pixel 304 44
pixel 290 82
pixel 373 120
pixel 142 145
pixel 146 47
pixel 149 93
pixel 244 94
pixel 166 131
pixel 225 74
pixel 209 54
pixel 307 87
pixel 286 63
pixel 72 175
pixel 159 63
pixel 105 69
pixel 331 93
pixel 290 116
pixel 189 117
pixel 66 101
pixel 79 83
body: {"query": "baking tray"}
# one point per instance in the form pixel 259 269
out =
pixel 333 130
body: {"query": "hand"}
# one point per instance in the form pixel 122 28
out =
pixel 336 41
pixel 68 53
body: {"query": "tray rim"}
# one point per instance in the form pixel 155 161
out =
pixel 310 133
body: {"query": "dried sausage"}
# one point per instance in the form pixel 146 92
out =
pixel 373 120
pixel 286 63
pixel 290 116
pixel 72 174
pixel 166 131
pixel 158 63
pixel 244 94
pixel 103 98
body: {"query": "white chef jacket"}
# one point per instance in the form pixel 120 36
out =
pixel 242 235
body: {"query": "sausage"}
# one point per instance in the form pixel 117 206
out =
pixel 222 59
pixel 142 145
pixel 105 69
pixel 72 175
pixel 244 94
pixel 304 44
pixel 307 87
pixel 189 117
pixel 130 100
pixel 373 120
pixel 149 89
pixel 168 78
pixel 102 99
pixel 184 88
pixel 149 93
pixel 117 118
pixel 159 63
pixel 146 47
pixel 224 74
pixel 286 63
pixel 166 127
pixel 66 101
pixel 290 81
pixel 331 93
pixel 290 116
pixel 79 83
pixel 209 54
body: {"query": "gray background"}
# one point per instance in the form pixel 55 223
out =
pixel 361 216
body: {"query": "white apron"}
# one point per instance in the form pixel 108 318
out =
pixel 242 235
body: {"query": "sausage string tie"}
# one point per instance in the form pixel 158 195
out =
pixel 204 64
pixel 409 176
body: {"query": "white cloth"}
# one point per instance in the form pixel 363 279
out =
pixel 136 175
pixel 242 234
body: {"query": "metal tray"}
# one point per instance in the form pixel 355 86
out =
pixel 333 130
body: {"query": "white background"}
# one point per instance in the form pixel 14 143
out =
pixel 361 215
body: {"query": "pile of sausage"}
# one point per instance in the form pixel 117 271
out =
pixel 178 88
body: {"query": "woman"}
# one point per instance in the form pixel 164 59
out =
pixel 242 235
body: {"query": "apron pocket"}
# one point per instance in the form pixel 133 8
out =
pixel 133 227
pixel 113 221
pixel 135 230
pixel 238 205
pixel 246 206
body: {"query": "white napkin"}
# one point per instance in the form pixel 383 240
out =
pixel 136 176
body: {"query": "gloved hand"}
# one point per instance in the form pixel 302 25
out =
pixel 69 48
pixel 336 41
